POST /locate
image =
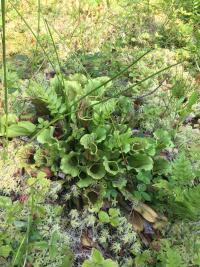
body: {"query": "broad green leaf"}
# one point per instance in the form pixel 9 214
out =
pixel 21 128
pixel 110 263
pixel 111 166
pixel 192 99
pixel 114 212
pixel 88 263
pixel 102 111
pixel 120 141
pixel 88 141
pixel 70 164
pixel 145 196
pixel 103 217
pixel 144 176
pixel 67 260
pixel 161 166
pixel 114 221
pixel 85 182
pixel 114 216
pixel 97 256
pixel 53 249
pixel 163 139
pixel 12 119
pixel 141 144
pixel 98 260
pixel 5 251
pixel 100 133
pixel 46 136
pixel 96 171
pixel 140 162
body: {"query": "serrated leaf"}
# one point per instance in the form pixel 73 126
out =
pixel 97 82
pixel 78 77
pixel 73 89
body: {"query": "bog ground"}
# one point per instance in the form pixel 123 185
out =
pixel 100 133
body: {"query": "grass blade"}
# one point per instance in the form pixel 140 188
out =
pixel 55 49
pixel 38 21
pixel 5 85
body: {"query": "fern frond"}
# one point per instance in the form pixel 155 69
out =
pixel 46 98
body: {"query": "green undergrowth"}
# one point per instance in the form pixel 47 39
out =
pixel 103 146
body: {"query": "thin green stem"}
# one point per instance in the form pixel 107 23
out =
pixel 5 85
pixel 55 49
pixel 38 21
pixel 18 251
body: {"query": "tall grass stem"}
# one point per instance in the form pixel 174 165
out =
pixel 55 49
pixel 38 22
pixel 5 85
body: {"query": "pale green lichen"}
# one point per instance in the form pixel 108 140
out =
pixel 11 178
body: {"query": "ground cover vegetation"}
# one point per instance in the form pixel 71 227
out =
pixel 100 133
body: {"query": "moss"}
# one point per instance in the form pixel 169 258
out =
pixel 12 178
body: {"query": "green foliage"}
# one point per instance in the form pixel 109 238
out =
pixel 46 97
pixel 182 195
pixel 170 257
pixel 98 260
pixel 109 152
pixel 22 238
pixel 95 145
pixel 15 129
pixel 111 217
pixel 97 152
